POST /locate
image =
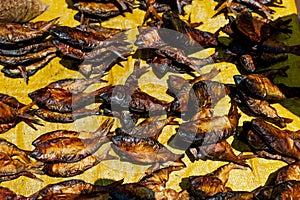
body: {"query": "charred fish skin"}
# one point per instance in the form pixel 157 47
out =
pixel 15 33
pixel 79 167
pixel 259 108
pixel 259 86
pixel 286 190
pixel 276 139
pixel 221 151
pixel 206 131
pixel 70 149
pixel 6 193
pixel 202 187
pixel 70 117
pixel 11 113
pixel 84 40
pixel 144 151
pixel 73 186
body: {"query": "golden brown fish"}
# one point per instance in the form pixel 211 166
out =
pixel 259 108
pixel 6 193
pixel 283 142
pixel 51 116
pixel 70 149
pixel 75 187
pixel 221 151
pixel 202 187
pixel 65 95
pixel 76 168
pixel 12 33
pixel 24 72
pixel 259 86
pixel 206 131
pixel 13 168
pixel 144 151
pixel 12 112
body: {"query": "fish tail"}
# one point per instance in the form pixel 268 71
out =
pixel 48 25
pixel 105 155
pixel 243 158
pixel 33 168
pixel 287 120
pixel 179 160
pixel 105 127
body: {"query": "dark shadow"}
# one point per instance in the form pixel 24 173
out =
pixel 293 80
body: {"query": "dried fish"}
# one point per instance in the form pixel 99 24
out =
pixel 151 127
pixel 280 141
pixel 286 190
pixel 65 95
pixel 76 168
pixel 12 33
pixel 6 193
pixel 202 187
pixel 51 116
pixel 149 37
pixel 253 5
pixel 21 11
pixel 259 146
pixel 189 38
pixel 286 173
pixel 191 101
pixel 13 168
pixel 13 112
pixel 65 133
pixel 12 150
pixel 123 4
pixel 221 151
pixel 32 48
pixel 176 83
pixel 70 149
pixel 259 86
pixel 26 71
pixel 101 10
pixel 156 181
pixel 153 7
pixel 144 151
pixel 84 40
pixel 209 130
pixel 21 60
pixel 73 186
pixel 260 108
pixel 129 97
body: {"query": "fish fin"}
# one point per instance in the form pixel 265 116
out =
pixel 283 121
pixel 24 73
pixel 152 168
pixel 107 156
